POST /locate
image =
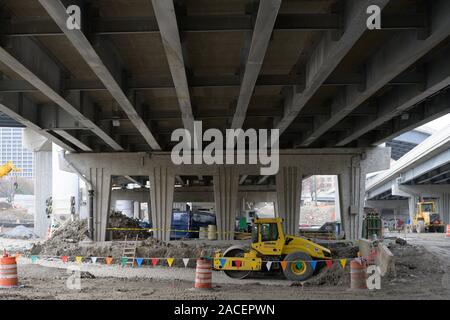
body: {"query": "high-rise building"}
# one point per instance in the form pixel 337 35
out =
pixel 11 148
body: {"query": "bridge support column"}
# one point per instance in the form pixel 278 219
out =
pixel 351 187
pixel 101 182
pixel 162 182
pixel 226 183
pixel 412 206
pixel 444 207
pixel 43 190
pixel 289 190
pixel 43 172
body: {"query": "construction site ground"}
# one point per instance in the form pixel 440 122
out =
pixel 422 272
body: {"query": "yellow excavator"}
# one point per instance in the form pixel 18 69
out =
pixel 269 243
pixel 427 219
pixel 7 168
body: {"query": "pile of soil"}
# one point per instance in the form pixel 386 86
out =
pixel 64 240
pixel 119 220
pixel 5 205
pixel 72 241
pixel 20 232
pixel 344 251
pixel 413 262
pixel 334 276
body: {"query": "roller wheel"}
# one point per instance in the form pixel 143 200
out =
pixel 235 274
pixel 298 266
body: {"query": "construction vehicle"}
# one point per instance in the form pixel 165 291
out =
pixel 269 243
pixel 4 171
pixel 7 168
pixel 427 219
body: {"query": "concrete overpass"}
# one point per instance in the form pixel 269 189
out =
pixel 424 172
pixel 115 90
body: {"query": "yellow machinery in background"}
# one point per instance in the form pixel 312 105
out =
pixel 4 171
pixel 427 219
pixel 269 243
pixel 7 168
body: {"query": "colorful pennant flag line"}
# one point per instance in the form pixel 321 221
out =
pixel 170 261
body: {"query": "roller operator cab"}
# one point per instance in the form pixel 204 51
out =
pixel 269 243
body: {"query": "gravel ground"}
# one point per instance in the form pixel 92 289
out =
pixel 47 280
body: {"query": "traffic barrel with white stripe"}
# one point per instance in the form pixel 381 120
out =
pixel 203 274
pixel 8 272
pixel 447 234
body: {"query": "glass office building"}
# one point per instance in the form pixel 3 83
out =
pixel 11 149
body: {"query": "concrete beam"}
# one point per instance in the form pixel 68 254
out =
pixel 167 21
pixel 326 57
pixel 108 75
pixel 265 21
pixel 195 81
pixel 402 51
pixel 25 111
pixel 426 166
pixel 39 27
pixel 402 99
pixel 430 190
pixel 27 59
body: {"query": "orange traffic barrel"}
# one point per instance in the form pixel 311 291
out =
pixel 203 274
pixel 447 234
pixel 8 272
pixel 358 274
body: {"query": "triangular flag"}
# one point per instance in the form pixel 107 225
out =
pixel 139 261
pixel 185 261
pixel 313 264
pixel 154 261
pixel 299 264
pixel 123 261
pixel 33 259
pixel 283 264
pixel 94 260
pixel 238 263
pixel 268 265
pixel 64 259
pixel 109 260
pixel 223 261
pixel 169 261
pixel 329 263
pixel 78 259
pixel 343 262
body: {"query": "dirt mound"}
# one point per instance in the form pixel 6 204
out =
pixel 119 220
pixel 334 276
pixel 20 232
pixel 64 240
pixel 344 251
pixel 413 262
pixel 5 205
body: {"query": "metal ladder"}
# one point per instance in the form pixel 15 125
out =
pixel 129 251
